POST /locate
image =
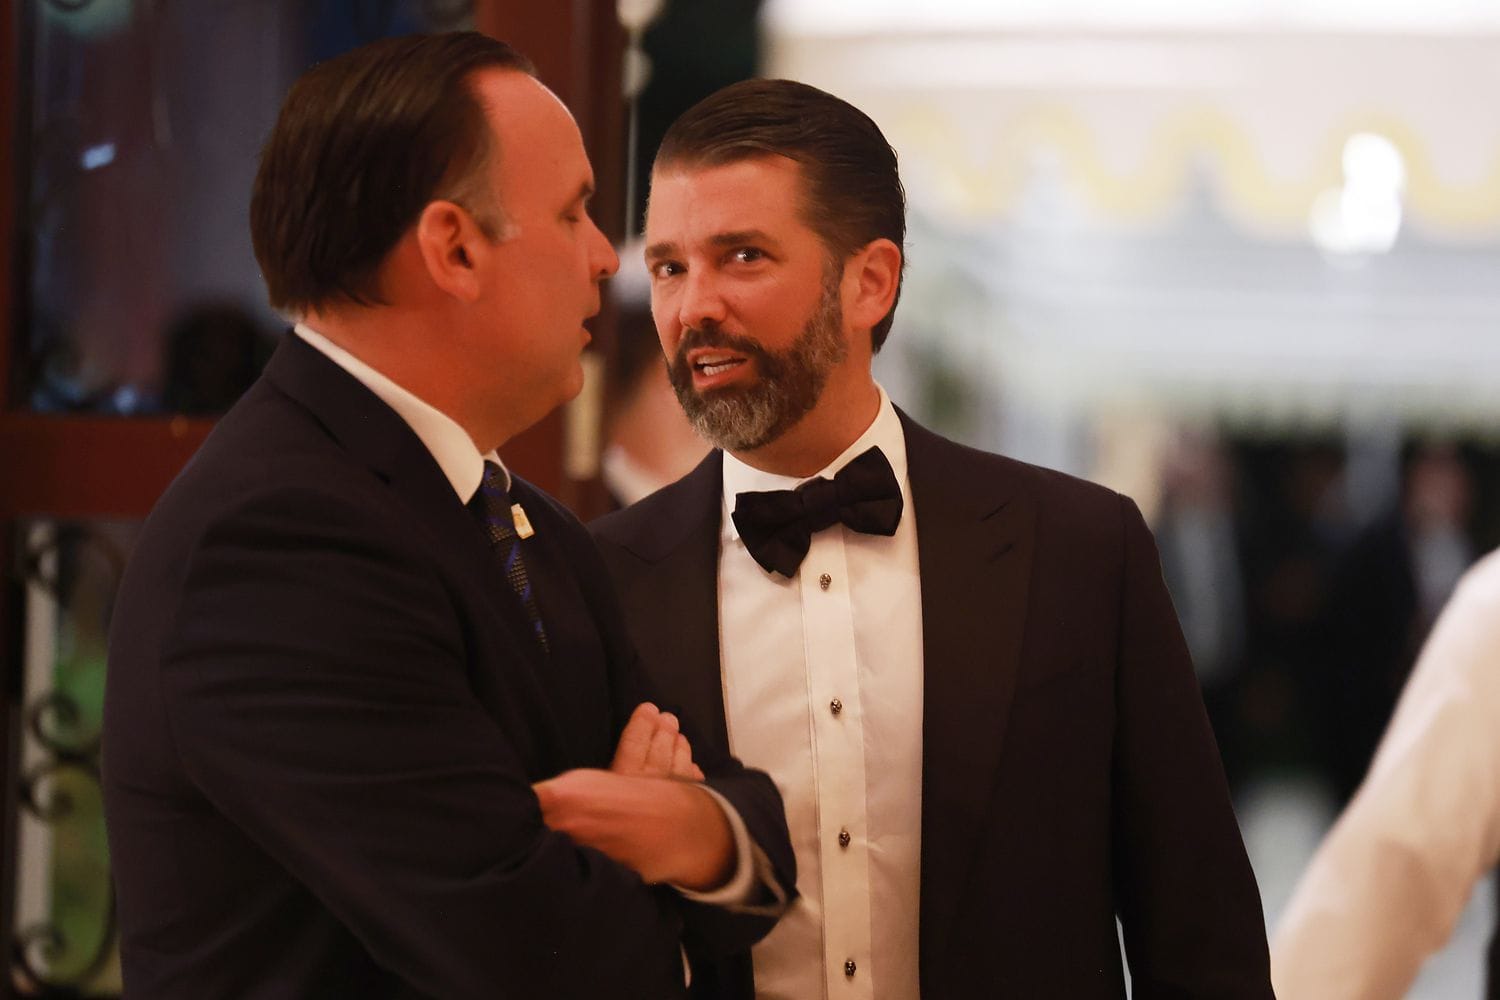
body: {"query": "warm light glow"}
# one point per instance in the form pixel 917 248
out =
pixel 1364 216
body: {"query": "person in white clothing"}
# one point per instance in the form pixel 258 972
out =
pixel 1388 884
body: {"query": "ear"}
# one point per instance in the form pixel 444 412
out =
pixel 451 244
pixel 871 277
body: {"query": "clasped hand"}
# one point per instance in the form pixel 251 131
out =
pixel 648 811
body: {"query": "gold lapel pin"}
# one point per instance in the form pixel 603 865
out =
pixel 521 521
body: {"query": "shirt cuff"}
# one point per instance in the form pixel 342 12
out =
pixel 741 887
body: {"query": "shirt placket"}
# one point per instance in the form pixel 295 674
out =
pixel 838 742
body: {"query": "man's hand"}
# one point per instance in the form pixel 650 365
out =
pixel 667 830
pixel 652 746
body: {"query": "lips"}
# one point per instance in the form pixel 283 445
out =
pixel 714 366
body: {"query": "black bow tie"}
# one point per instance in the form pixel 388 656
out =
pixel 777 526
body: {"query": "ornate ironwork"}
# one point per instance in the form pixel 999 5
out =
pixel 49 789
pixel 54 722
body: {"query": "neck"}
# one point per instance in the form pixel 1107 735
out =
pixel 407 346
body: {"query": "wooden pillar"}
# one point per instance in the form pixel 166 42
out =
pixel 578 48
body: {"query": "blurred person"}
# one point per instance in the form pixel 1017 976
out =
pixel 1200 560
pixel 364 685
pixel 1386 590
pixel 1386 887
pixel 214 351
pixel 1292 522
pixel 972 691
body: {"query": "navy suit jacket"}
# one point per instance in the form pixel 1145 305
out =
pixel 1069 774
pixel 324 713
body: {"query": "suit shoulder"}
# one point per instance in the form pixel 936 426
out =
pixel 1084 511
pixel 1058 494
pixel 662 520
pixel 621 525
pixel 1074 496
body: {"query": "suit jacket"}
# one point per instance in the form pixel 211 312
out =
pixel 1069 774
pixel 324 713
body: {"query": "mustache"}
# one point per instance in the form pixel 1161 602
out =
pixel 769 366
pixel 711 335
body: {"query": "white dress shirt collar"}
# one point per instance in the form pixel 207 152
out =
pixel 884 432
pixel 450 445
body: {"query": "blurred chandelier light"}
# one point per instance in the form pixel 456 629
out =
pixel 1363 216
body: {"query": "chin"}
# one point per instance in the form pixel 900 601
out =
pixel 573 385
pixel 565 391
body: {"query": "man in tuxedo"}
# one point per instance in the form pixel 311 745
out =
pixel 963 672
pixel 372 727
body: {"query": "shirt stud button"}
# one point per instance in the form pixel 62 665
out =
pixel 835 706
pixel 849 968
pixel 825 581
pixel 844 837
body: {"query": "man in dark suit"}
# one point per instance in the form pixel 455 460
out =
pixel 364 685
pixel 963 672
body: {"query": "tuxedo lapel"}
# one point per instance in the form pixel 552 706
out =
pixel 671 594
pixel 975 536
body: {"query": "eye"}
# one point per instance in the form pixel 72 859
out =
pixel 749 255
pixel 665 269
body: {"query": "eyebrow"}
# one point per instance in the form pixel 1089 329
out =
pixel 741 236
pixel 738 237
pixel 656 251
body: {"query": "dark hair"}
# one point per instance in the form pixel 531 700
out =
pixel 853 193
pixel 363 143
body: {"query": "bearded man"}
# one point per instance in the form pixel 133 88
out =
pixel 963 672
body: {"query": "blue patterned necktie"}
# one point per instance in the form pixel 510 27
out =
pixel 492 505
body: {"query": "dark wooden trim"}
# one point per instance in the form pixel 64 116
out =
pixel 605 135
pixel 79 467
pixel 578 49
pixel 547 35
pixel 112 467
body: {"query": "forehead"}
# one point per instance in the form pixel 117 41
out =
pixel 540 148
pixel 696 201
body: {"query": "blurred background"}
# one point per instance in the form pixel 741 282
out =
pixel 1237 258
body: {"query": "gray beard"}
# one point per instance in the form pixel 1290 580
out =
pixel 788 384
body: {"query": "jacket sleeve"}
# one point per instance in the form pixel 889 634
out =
pixel 1186 896
pixel 317 693
pixel 712 930
pixel 1387 887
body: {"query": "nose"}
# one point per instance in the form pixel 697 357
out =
pixel 701 299
pixel 606 261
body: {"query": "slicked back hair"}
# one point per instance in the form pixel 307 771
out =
pixel 852 193
pixel 363 143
